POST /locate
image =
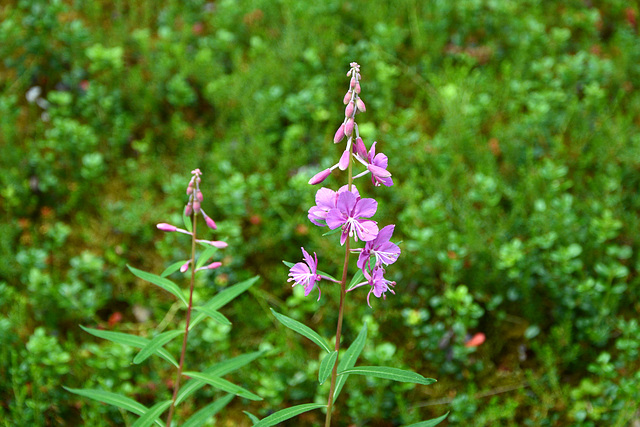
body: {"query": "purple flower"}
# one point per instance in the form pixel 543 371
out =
pixel 349 214
pixel 378 167
pixel 379 285
pixel 305 274
pixel 326 199
pixel 384 251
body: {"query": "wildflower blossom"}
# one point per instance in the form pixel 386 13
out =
pixel 305 273
pixel 384 251
pixel 349 214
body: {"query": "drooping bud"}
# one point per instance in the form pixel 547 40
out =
pixel 357 88
pixel 378 171
pixel 196 206
pixel 185 267
pixel 344 160
pixel 216 243
pixel 347 98
pixel 320 176
pixel 348 127
pixel 166 227
pixel 188 210
pixel 211 266
pixel 339 134
pixel 360 105
pixel 353 82
pixel 199 196
pixel 190 188
pixel 360 148
pixel 348 112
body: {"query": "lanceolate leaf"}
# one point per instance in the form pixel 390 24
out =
pixel 114 399
pixel 172 268
pixel 162 282
pixel 153 345
pixel 349 359
pixel 223 298
pixel 302 329
pixel 215 315
pixel 201 417
pixel 287 413
pixel 223 385
pixel 254 420
pixel 334 231
pixel 429 423
pixel 128 339
pixel 222 368
pixel 326 366
pixel 151 414
pixel 187 222
pixel 205 255
pixel 388 373
pixel 357 278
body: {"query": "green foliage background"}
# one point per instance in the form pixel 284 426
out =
pixel 512 130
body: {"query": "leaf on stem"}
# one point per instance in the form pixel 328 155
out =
pixel 153 345
pixel 287 413
pixel 429 423
pixel 254 420
pixel 388 373
pixel 172 268
pixel 334 231
pixel 205 256
pixel 349 359
pixel 223 298
pixel 201 417
pixel 114 399
pixel 151 414
pixel 326 366
pixel 219 369
pixel 162 282
pixel 128 339
pixel 357 278
pixel 302 329
pixel 223 385
pixel 187 222
pixel 215 315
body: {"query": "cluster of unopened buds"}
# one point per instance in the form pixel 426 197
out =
pixel 193 207
pixel 346 210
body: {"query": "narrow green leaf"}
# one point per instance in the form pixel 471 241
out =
pixel 357 278
pixel 254 420
pixel 162 282
pixel 429 423
pixel 150 415
pixel 215 315
pixel 114 399
pixel 200 417
pixel 223 298
pixel 302 329
pixel 205 255
pixel 223 385
pixel 153 345
pixel 219 369
pixel 128 339
pixel 186 220
pixel 287 413
pixel 322 273
pixel 326 366
pixel 349 359
pixel 388 373
pixel 172 268
pixel 334 231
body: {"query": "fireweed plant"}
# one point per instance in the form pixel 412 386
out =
pixel 347 212
pixel 197 263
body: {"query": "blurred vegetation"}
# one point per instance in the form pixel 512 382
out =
pixel 513 133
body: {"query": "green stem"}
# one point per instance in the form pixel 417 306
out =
pixel 343 293
pixel 176 386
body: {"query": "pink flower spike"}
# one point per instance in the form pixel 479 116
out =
pixel 344 160
pixel 360 105
pixel 348 112
pixel 348 127
pixel 347 98
pixel 166 227
pixel 320 176
pixel 339 134
pixel 185 267
pixel 211 266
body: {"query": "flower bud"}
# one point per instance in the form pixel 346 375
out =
pixel 196 206
pixel 190 188
pixel 166 227
pixel 185 267
pixel 211 266
pixel 188 210
pixel 360 148
pixel 360 105
pixel 357 88
pixel 199 196
pixel 347 98
pixel 353 82
pixel 320 176
pixel 348 127
pixel 348 112
pixel 339 134
pixel 344 160
pixel 210 223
